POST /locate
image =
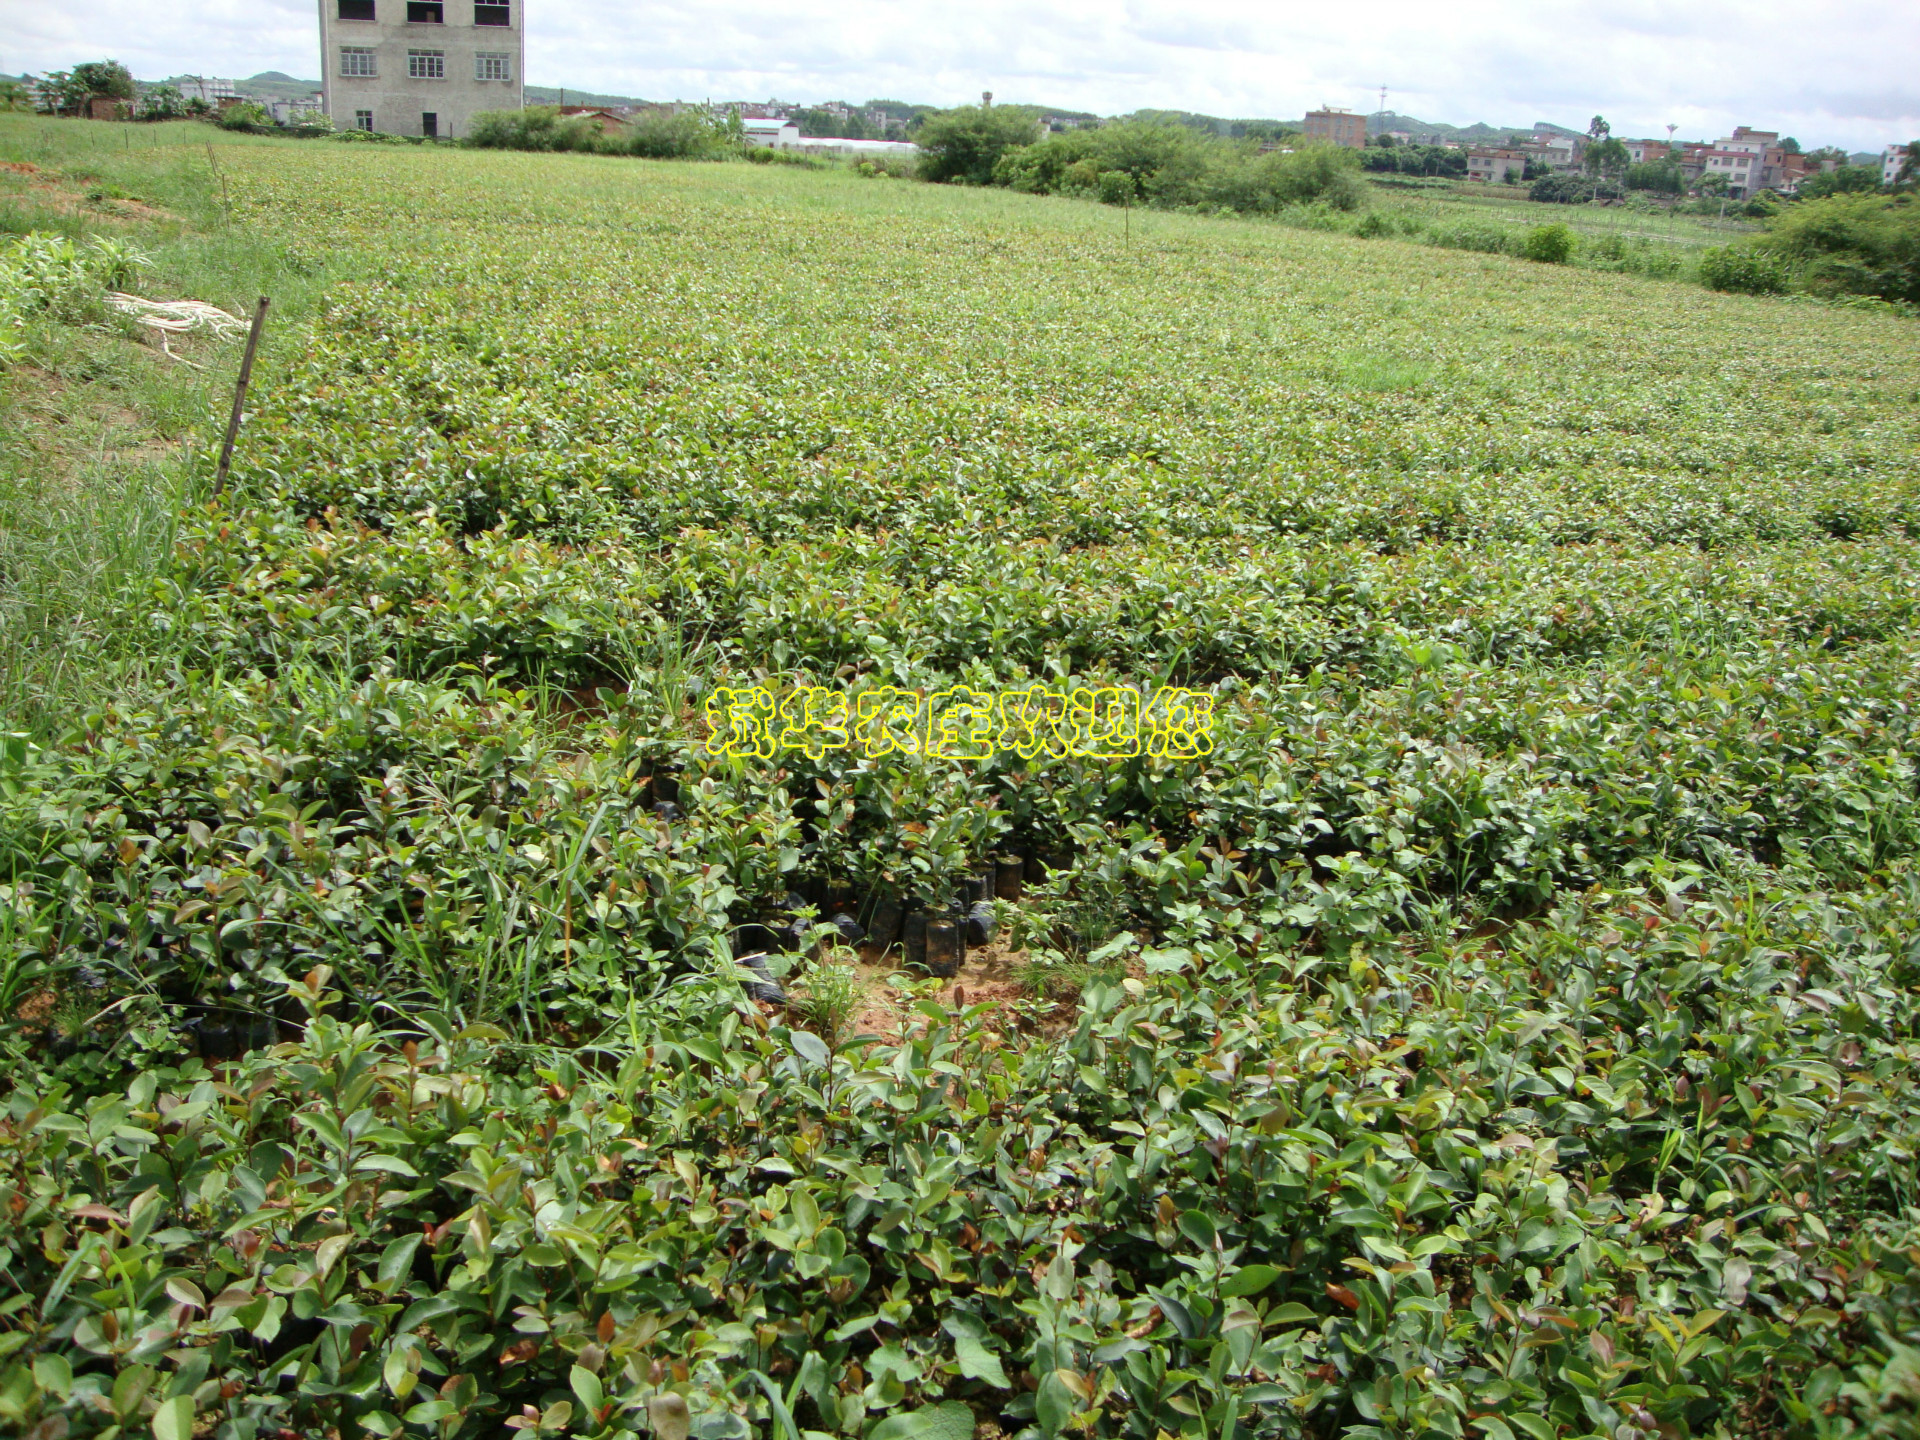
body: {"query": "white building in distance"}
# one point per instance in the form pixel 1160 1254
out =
pixel 419 67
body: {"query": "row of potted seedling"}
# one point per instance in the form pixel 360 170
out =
pixel 934 938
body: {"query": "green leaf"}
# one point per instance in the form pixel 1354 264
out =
pixel 776 1404
pixel 810 1047
pixel 1053 1405
pixel 1250 1280
pixel 1198 1228
pixel 174 1419
pixel 586 1386
pixel 52 1372
pixel 948 1421
pixel 1292 1313
pixel 396 1262
pixel 979 1363
pixel 130 1387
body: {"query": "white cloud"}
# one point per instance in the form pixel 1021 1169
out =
pixel 1834 72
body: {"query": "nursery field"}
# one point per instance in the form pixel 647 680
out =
pixel 1468 203
pixel 1507 1030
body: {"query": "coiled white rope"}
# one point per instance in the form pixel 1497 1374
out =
pixel 177 317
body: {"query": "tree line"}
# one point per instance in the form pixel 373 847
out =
pixel 1159 162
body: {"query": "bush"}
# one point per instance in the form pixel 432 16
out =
pixel 1327 174
pixel 1573 190
pixel 1853 245
pixel 1548 244
pixel 247 115
pixel 660 135
pixel 1846 180
pixel 1175 167
pixel 966 144
pixel 1484 238
pixel 537 127
pixel 764 155
pixel 1741 272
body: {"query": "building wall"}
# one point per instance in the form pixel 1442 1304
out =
pixel 1338 126
pixel 1891 159
pixel 399 101
pixel 1496 167
pixel 1742 168
pixel 768 136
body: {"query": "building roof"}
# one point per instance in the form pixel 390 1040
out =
pixel 860 147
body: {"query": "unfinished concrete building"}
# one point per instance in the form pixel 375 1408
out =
pixel 419 67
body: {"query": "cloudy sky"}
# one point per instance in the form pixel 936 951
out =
pixel 1826 71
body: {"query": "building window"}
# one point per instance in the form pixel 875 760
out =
pixel 431 12
pixel 356 61
pixel 363 120
pixel 493 14
pixel 357 10
pixel 430 124
pixel 492 67
pixel 426 64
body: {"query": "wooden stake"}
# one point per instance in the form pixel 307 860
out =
pixel 240 393
pixel 226 202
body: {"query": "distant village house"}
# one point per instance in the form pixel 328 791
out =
pixel 1340 127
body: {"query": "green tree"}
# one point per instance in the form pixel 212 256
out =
pixel 59 95
pixel 13 95
pixel 1662 177
pixel 163 102
pixel 1598 128
pixel 1607 157
pixel 1847 180
pixel 1790 146
pixel 823 125
pixel 1909 170
pixel 965 144
pixel 105 79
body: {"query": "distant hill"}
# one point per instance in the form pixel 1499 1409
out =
pixel 549 95
pixel 275 85
pixel 1377 124
pixel 1478 133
